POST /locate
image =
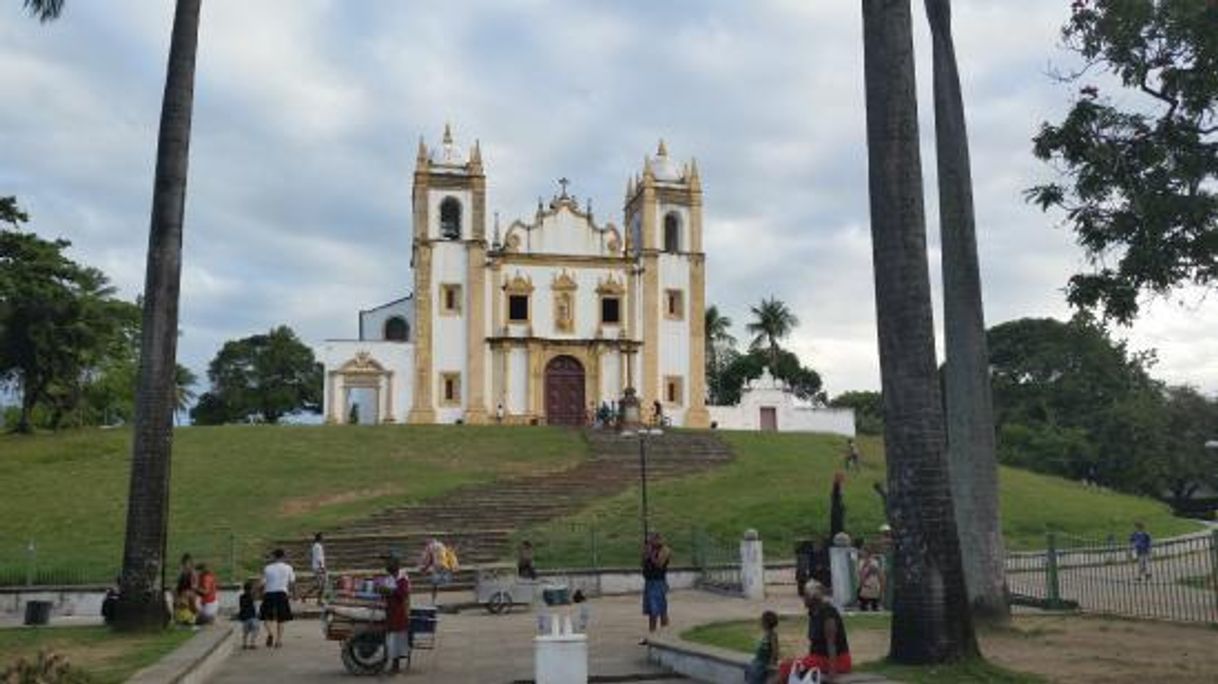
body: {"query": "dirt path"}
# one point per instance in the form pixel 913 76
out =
pixel 1083 650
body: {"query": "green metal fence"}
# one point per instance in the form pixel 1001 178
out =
pixel 718 561
pixel 30 562
pixel 586 546
pixel 1179 580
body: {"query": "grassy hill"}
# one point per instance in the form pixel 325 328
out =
pixel 779 485
pixel 235 487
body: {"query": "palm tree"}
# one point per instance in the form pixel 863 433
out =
pixel 772 322
pixel 970 411
pixel 184 380
pixel 142 605
pixel 931 619
pixel 718 337
pixel 45 10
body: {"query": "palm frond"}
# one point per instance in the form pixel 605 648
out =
pixel 45 10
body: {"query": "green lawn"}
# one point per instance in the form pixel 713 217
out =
pixel 105 656
pixel 239 486
pixel 779 485
pixel 742 635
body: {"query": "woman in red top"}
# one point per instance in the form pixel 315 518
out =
pixel 209 598
pixel 396 589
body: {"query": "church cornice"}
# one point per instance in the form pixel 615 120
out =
pixel 574 260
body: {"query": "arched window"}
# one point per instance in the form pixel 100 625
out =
pixel 672 232
pixel 397 329
pixel 450 219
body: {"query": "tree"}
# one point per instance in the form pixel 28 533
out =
pixel 868 410
pixel 1187 465
pixel 970 415
pixel 803 382
pixel 141 605
pixel 719 341
pixel 263 377
pixel 931 616
pixel 772 322
pixel 1141 164
pixel 58 320
pixel 1060 389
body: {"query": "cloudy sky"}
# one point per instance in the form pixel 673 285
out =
pixel 308 113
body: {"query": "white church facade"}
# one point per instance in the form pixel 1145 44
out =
pixel 538 321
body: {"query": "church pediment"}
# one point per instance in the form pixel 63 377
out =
pixel 563 227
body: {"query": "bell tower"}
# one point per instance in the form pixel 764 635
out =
pixel 448 255
pixel 663 216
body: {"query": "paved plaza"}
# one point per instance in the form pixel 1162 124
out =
pixel 474 646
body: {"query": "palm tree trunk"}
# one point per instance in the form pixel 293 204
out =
pixel 142 604
pixel 970 411
pixel 931 620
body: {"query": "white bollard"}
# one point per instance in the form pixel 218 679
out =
pixel 752 566
pixel 843 568
pixel 560 657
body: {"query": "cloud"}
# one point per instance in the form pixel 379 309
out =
pixel 308 112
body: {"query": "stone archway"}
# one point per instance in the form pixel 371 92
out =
pixel 564 391
pixel 361 372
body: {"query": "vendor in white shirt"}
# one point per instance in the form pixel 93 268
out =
pixel 277 581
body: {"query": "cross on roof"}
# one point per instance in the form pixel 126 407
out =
pixel 564 183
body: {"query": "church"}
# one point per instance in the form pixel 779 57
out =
pixel 537 321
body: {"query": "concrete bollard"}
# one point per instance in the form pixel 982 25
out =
pixel 843 568
pixel 752 566
pixel 560 656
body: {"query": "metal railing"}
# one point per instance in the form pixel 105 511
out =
pixel 1177 581
pixel 29 563
pixel 718 562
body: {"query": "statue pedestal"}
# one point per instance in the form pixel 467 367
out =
pixel 628 407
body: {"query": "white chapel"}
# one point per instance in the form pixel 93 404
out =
pixel 538 321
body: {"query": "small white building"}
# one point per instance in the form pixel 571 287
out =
pixel 766 403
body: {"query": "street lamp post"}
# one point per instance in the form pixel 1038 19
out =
pixel 642 434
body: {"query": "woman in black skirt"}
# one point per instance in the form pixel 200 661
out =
pixel 277 581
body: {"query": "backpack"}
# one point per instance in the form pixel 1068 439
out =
pixel 448 559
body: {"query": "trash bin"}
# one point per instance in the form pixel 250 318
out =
pixel 37 612
pixel 558 595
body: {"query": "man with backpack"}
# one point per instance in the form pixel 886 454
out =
pixel 440 563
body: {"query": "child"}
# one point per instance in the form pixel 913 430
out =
pixel 184 611
pixel 766 657
pixel 248 616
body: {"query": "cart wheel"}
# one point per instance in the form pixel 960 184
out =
pixel 365 654
pixel 500 602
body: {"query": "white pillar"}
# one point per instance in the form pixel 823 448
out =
pixel 560 657
pixel 752 566
pixel 843 561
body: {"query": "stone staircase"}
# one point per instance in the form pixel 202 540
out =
pixel 479 520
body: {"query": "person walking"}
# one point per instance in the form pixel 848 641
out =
pixel 317 563
pixel 853 457
pixel 247 616
pixel 656 556
pixel 277 579
pixel 1141 542
pixel 395 587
